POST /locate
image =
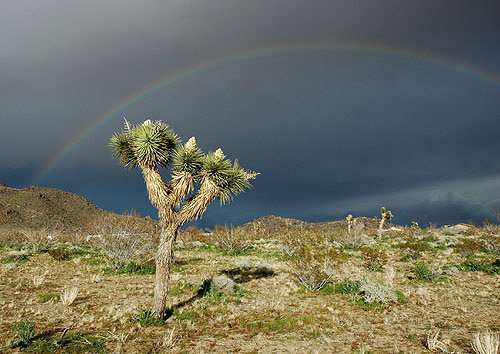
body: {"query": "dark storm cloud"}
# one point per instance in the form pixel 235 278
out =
pixel 331 131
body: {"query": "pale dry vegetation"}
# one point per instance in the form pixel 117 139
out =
pixel 289 287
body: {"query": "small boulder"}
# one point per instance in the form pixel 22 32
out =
pixel 10 266
pixel 223 283
pixel 196 244
pixel 452 271
pixel 264 269
pixel 244 264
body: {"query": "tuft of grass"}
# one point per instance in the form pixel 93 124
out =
pixel 480 266
pixel 47 297
pixel 70 343
pixel 24 332
pixel 69 295
pixel 133 268
pixel 185 315
pixel 15 259
pixel 146 318
pixel 424 273
pixel 347 287
pixel 59 254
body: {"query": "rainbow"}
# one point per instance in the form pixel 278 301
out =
pixel 255 53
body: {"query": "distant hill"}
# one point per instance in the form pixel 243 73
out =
pixel 36 207
pixel 273 224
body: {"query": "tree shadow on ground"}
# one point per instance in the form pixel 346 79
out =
pixel 202 291
pixel 238 275
pixel 241 276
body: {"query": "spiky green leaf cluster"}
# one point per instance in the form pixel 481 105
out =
pixel 153 143
pixel 148 144
pixel 236 183
pixel 230 178
pixel 188 158
pixel 122 150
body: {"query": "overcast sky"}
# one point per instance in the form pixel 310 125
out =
pixel 343 106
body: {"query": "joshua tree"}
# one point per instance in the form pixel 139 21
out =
pixel 386 215
pixel 350 221
pixel 196 180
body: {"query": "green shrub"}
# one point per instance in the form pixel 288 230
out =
pixel 133 268
pixel 59 254
pixel 25 332
pixel 70 343
pixel 47 297
pixel 480 266
pixel 347 287
pixel 146 318
pixel 375 258
pixel 469 247
pixel 423 272
pixel 15 259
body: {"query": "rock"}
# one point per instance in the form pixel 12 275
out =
pixel 18 253
pixel 223 283
pixel 196 244
pixel 179 243
pixel 264 269
pixel 244 264
pixel 452 271
pixel 10 266
pixel 458 228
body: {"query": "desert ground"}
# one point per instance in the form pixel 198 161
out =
pixel 271 286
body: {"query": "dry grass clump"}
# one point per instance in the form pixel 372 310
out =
pixel 231 239
pixel 485 343
pixel 433 343
pixel 375 258
pixel 38 240
pixel 313 268
pixel 69 295
pixel 377 293
pixel 491 243
pixel 123 238
pixel 355 238
pixel 38 280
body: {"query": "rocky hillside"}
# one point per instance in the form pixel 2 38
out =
pixel 36 207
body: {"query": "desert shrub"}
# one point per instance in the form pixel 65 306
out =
pixel 38 240
pixel 122 238
pixel 190 234
pixel 491 244
pixel 313 268
pixel 47 297
pixel 347 287
pixel 413 248
pixel 24 333
pixel 471 265
pixel 59 254
pixel 234 241
pixel 146 318
pixel 469 247
pixel 288 245
pixel 353 240
pixel 375 258
pixel 424 273
pixel 377 293
pixel 134 268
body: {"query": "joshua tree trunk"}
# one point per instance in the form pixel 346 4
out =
pixel 164 259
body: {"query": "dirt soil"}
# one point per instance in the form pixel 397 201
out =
pixel 268 313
